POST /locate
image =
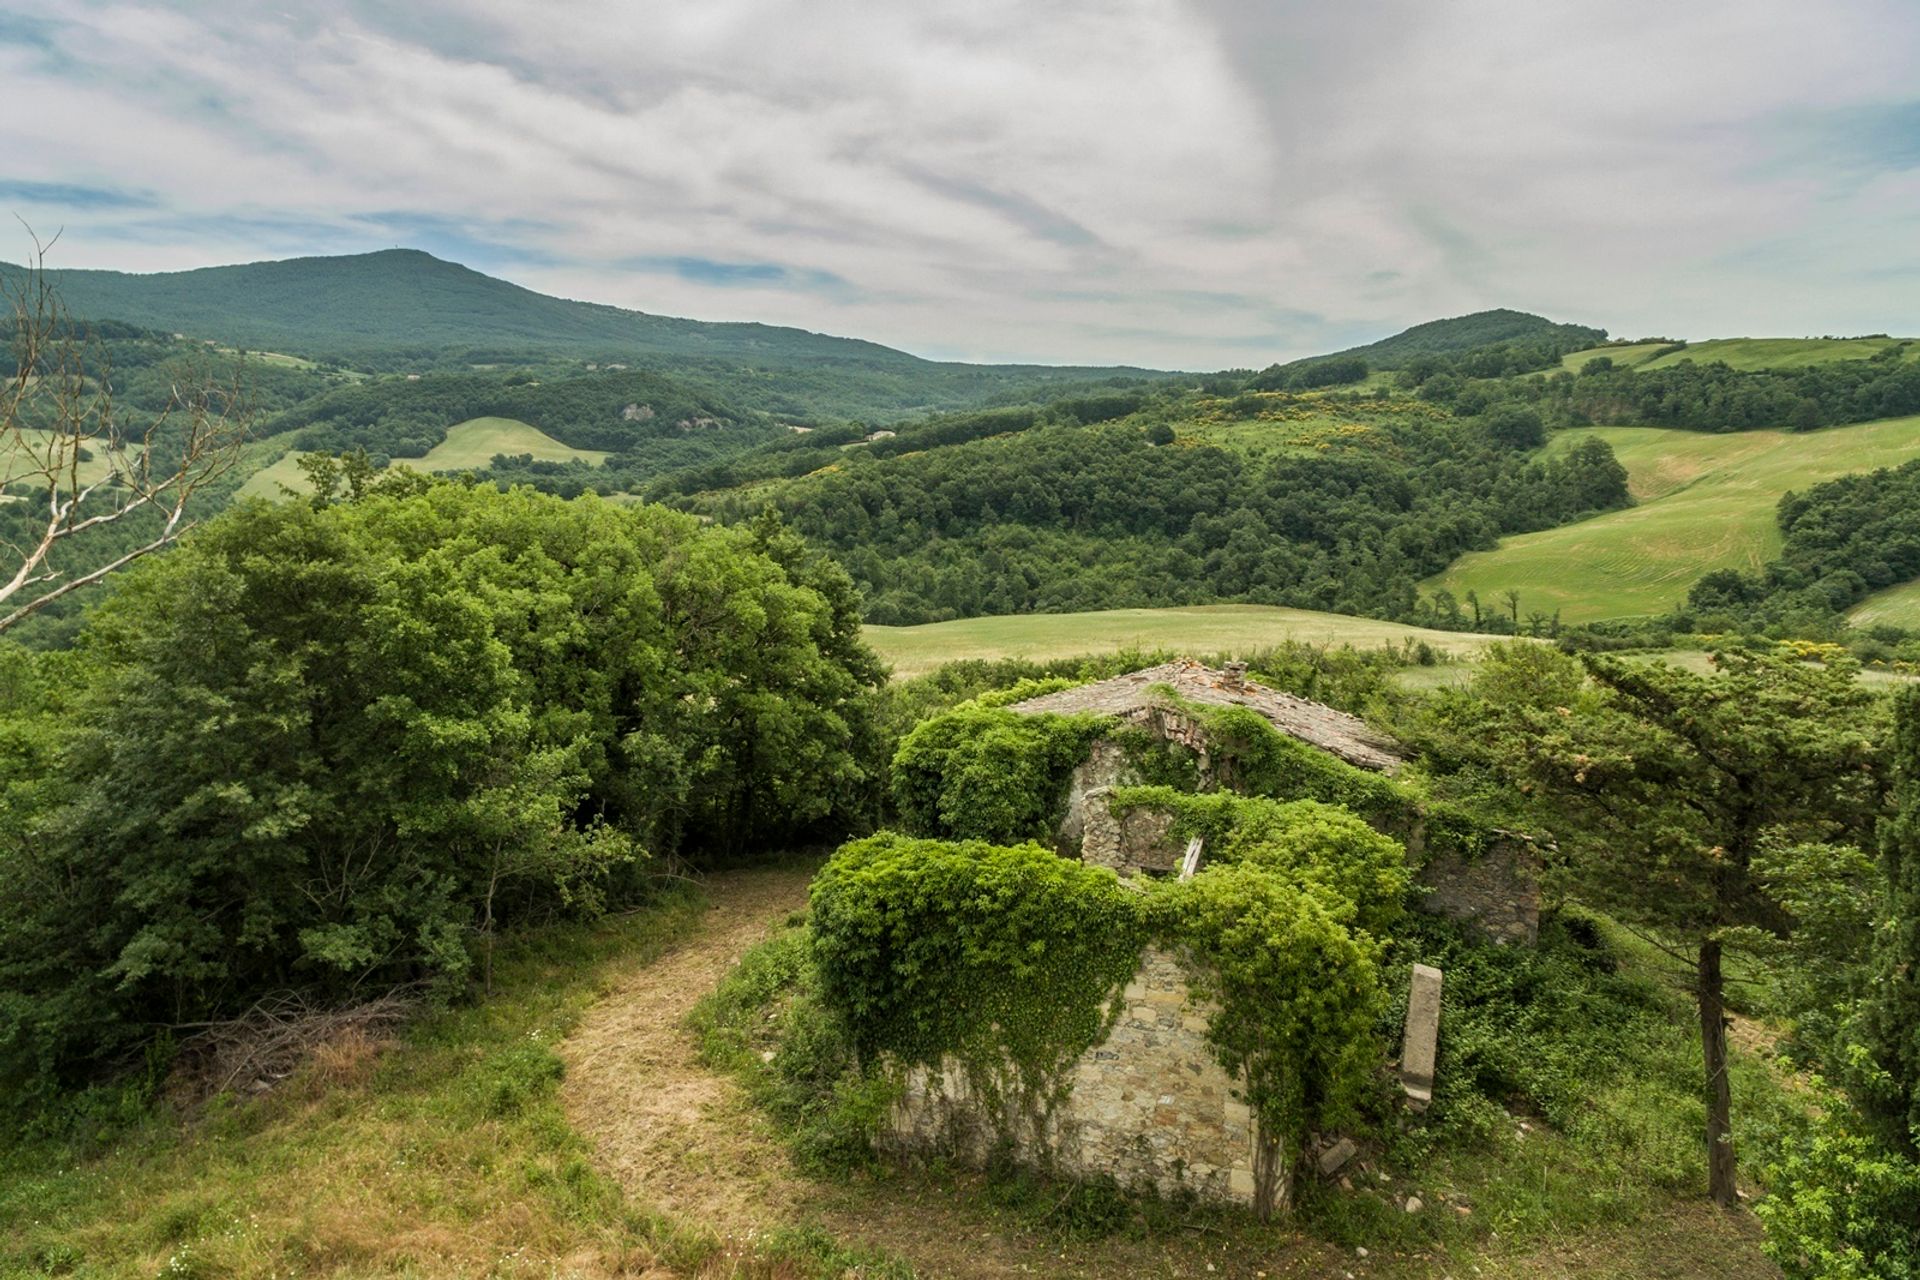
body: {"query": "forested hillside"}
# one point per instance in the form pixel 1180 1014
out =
pixel 1321 501
pixel 401 309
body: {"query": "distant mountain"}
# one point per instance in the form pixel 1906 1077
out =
pixel 1464 333
pixel 407 298
pixel 398 307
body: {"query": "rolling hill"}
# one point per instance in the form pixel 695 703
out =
pixel 1737 353
pixel 1464 333
pixel 1703 501
pixel 405 308
pixel 469 445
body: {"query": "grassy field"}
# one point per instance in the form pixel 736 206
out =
pixel 94 468
pixel 468 445
pixel 1704 502
pixel 1899 606
pixel 267 482
pixel 474 442
pixel 1740 353
pixel 1195 629
pixel 1626 356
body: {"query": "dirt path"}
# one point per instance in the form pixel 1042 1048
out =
pixel 676 1136
pixel 680 1139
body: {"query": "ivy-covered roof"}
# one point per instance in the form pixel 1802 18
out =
pixel 1346 736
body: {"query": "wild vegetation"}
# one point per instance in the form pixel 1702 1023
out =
pixel 396 724
pixel 318 830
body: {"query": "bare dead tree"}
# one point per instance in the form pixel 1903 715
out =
pixel 66 451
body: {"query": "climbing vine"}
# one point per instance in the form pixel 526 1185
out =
pixel 1296 998
pixel 1302 841
pixel 986 773
pixel 1004 959
pixel 1006 962
pixel 1252 757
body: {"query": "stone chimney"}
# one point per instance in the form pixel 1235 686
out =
pixel 1236 681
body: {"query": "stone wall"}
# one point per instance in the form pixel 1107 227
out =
pixel 1137 839
pixel 1148 1105
pixel 1497 891
pixel 1106 766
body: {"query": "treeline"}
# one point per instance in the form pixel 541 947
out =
pixel 142 368
pixel 1690 395
pixel 801 453
pixel 391 726
pixel 1059 517
pixel 404 418
pixel 1843 540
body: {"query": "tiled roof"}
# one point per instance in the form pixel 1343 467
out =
pixel 1346 736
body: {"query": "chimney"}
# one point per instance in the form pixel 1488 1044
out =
pixel 1236 680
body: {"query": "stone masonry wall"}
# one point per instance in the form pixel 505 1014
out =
pixel 1137 839
pixel 1497 891
pixel 1148 1105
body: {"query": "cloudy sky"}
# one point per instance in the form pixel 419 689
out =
pixel 1189 184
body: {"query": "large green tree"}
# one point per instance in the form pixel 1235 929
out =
pixel 1889 1019
pixel 1666 790
pixel 331 746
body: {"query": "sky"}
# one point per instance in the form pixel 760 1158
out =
pixel 1188 184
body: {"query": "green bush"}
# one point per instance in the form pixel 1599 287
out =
pixel 987 773
pixel 1840 1206
pixel 989 953
pixel 335 746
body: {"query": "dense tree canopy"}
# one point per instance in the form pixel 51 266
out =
pixel 1668 791
pixel 320 745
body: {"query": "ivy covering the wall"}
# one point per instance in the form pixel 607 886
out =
pixel 1252 757
pixel 1304 841
pixel 1005 959
pixel 1007 962
pixel 986 773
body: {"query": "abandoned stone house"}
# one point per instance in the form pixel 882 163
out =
pixel 1151 1103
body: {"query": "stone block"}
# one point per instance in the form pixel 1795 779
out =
pixel 1421 1041
pixel 1335 1157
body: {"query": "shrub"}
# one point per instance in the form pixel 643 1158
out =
pixel 987 773
pixel 333 746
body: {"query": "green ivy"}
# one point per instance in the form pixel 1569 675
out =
pixel 1008 961
pixel 1303 841
pixel 1251 756
pixel 1004 958
pixel 987 773
pixel 1297 997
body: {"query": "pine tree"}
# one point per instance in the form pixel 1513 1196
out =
pixel 1889 1022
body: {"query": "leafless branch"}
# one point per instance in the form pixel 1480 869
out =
pixel 65 450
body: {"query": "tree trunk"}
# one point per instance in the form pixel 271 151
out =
pixel 1272 1176
pixel 1710 991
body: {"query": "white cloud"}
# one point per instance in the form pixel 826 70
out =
pixel 1142 181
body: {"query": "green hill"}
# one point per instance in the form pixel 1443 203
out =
pixel 1704 502
pixel 1738 353
pixel 406 298
pixel 401 305
pixel 1464 333
pixel 468 446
